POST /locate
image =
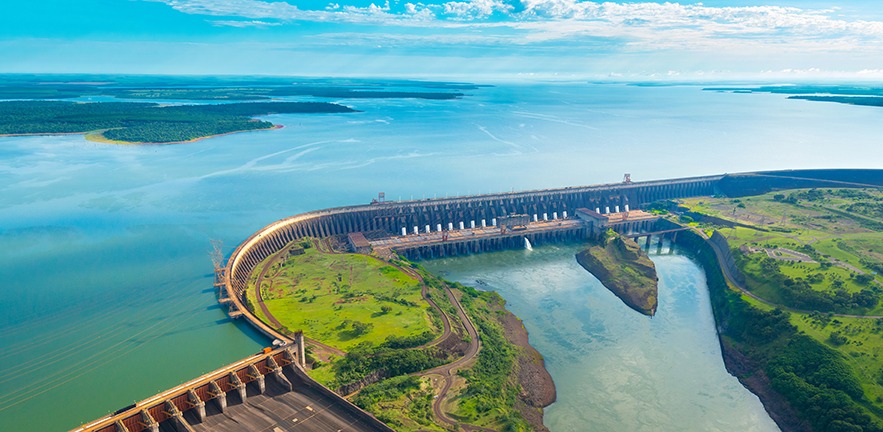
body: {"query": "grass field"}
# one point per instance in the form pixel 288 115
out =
pixel 841 231
pixel 343 299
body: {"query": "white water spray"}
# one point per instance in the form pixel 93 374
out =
pixel 527 244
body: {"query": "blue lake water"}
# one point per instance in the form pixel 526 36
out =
pixel 107 294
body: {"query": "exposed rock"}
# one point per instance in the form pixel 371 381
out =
pixel 621 265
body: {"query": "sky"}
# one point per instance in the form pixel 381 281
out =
pixel 713 40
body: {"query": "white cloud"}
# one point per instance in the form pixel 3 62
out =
pixel 476 9
pixel 644 25
pixel 242 24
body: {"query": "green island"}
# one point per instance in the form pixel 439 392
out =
pixel 134 123
pixel 621 266
pixel 18 86
pixel 795 282
pixel 418 352
pixel 845 94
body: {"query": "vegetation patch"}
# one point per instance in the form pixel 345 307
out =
pixel 816 253
pixel 404 403
pixel 129 122
pixel 622 267
pixel 343 299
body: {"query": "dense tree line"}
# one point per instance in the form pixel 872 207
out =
pixel 366 358
pixel 813 378
pixel 248 91
pixel 146 122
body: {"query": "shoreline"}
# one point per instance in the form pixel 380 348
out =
pixel 98 137
pixel 735 361
pixel 537 386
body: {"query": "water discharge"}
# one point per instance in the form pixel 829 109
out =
pixel 527 244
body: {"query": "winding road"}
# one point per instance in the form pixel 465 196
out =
pixel 447 372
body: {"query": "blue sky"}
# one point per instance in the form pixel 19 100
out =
pixel 558 39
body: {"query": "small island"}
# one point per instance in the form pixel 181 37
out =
pixel 147 123
pixel 621 265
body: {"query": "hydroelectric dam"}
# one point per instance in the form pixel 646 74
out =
pixel 239 396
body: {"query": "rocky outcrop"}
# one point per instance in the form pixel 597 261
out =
pixel 621 265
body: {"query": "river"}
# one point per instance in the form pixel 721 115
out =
pixel 615 369
pixel 104 249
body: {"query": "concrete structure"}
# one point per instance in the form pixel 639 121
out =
pixel 290 397
pixel 237 397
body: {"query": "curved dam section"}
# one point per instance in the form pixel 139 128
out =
pixel 384 219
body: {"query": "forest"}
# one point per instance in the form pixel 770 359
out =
pixel 146 122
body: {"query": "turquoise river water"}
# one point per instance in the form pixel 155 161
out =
pixel 107 284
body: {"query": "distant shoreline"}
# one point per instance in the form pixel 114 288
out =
pixel 97 136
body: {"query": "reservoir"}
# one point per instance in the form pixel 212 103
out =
pixel 104 249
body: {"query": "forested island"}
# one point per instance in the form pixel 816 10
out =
pixel 34 87
pixel 132 122
pixel 65 104
pixel 845 94
pixel 621 265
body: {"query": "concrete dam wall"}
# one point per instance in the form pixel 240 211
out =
pixel 385 219
pixel 389 218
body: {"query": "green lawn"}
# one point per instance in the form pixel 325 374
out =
pixel 329 296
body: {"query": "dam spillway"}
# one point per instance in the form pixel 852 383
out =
pixel 386 219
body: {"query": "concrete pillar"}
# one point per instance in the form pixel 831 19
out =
pixel 301 348
pixel 616 208
pixel 416 231
pixel 554 215
pixel 534 217
pixel 450 226
pixel 564 213
pixel 220 396
pixel 197 403
pixel 626 207
pixel 427 229
pixel 545 216
pixel 461 225
pixel 240 386
pixel 278 375
pixel 597 209
pixel 438 227
pixel 494 222
pixel 404 231
pixel 472 224
pixel 483 223
pixel 606 209
pixel 255 374
pixel 148 421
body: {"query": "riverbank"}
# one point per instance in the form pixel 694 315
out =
pixel 791 373
pixel 538 388
pixel 622 267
